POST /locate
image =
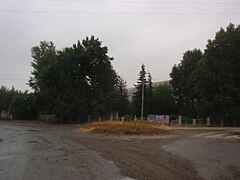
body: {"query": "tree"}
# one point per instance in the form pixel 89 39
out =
pixel 122 102
pixel 23 106
pixel 183 84
pixel 44 80
pixel 75 82
pixel 217 76
pixel 208 85
pixel 163 100
pixel 140 94
pixel 6 96
pixel 149 95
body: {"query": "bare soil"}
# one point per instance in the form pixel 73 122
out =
pixel 59 152
pixel 125 128
pixel 141 157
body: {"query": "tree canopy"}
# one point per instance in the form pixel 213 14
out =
pixel 183 83
pixel 144 91
pixel 208 84
pixel 77 81
pixel 163 101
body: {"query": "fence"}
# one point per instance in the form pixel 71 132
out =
pixel 5 115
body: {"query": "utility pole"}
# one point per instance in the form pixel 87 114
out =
pixel 142 105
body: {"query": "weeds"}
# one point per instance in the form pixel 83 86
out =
pixel 125 128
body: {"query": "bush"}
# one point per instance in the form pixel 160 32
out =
pixel 23 106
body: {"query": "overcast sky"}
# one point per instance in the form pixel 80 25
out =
pixel 153 32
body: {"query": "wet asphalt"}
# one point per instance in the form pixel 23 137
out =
pixel 30 152
pixel 35 151
pixel 215 152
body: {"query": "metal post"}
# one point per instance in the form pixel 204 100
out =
pixel 142 106
pixel 208 121
pixel 180 120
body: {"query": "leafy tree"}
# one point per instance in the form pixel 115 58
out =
pixel 183 84
pixel 75 82
pixel 163 100
pixel 149 95
pixel 217 76
pixel 122 102
pixel 208 85
pixel 6 96
pixel 44 80
pixel 23 106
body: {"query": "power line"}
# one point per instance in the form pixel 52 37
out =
pixel 154 2
pixel 118 13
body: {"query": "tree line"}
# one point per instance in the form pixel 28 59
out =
pixel 156 99
pixel 207 84
pixel 79 81
pixel 72 83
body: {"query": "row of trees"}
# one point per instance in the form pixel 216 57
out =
pixel 21 105
pixel 207 84
pixel 143 94
pixel 77 81
pixel 73 84
pixel 156 99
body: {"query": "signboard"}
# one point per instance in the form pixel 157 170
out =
pixel 164 119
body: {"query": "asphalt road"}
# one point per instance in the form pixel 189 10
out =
pixel 38 152
pixel 41 151
pixel 215 152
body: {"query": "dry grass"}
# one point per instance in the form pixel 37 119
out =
pixel 125 128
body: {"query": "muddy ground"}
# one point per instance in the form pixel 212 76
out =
pixel 42 151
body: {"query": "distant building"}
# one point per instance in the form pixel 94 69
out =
pixel 131 91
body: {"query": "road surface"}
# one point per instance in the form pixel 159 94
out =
pixel 215 153
pixel 41 151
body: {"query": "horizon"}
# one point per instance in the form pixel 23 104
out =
pixel 135 32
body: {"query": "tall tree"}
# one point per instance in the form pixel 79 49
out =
pixel 149 95
pixel 122 102
pixel 23 106
pixel 44 79
pixel 75 82
pixel 6 96
pixel 218 76
pixel 163 100
pixel 183 84
pixel 141 87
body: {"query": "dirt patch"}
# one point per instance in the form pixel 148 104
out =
pixel 125 128
pixel 1 140
pixel 237 134
pixel 140 158
pixel 234 171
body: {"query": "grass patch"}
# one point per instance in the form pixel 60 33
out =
pixel 125 128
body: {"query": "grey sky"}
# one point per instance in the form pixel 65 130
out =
pixel 155 33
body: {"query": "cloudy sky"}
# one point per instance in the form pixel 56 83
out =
pixel 154 32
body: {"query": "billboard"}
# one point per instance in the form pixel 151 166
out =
pixel 164 119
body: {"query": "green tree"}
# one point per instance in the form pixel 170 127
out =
pixel 217 76
pixel 44 79
pixel 23 106
pixel 137 96
pixel 122 102
pixel 6 96
pixel 163 100
pixel 183 83
pixel 75 82
pixel 149 95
